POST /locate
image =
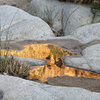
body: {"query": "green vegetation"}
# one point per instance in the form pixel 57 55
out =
pixel 95 7
pixel 56 52
pixel 9 65
pixel 49 16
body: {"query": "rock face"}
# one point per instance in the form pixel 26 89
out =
pixel 19 89
pixel 76 16
pixel 32 62
pixel 68 16
pixel 92 55
pixel 54 7
pixel 88 33
pixel 23 4
pixel 20 25
pixel 89 61
pixel 76 61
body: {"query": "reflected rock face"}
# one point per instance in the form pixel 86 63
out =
pixel 53 55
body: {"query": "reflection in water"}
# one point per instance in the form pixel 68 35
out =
pixel 53 55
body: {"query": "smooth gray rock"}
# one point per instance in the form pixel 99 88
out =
pixel 31 61
pixel 76 61
pixel 76 16
pixel 67 42
pixel 23 4
pixel 1 94
pixel 92 56
pixel 90 59
pixel 19 25
pixel 88 33
pixel 66 17
pixel 54 7
pixel 19 89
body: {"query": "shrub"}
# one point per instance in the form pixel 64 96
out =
pixel 14 67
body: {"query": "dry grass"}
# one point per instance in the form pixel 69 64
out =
pixel 13 67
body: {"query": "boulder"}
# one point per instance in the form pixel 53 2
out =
pixel 90 59
pixel 14 88
pixel 76 16
pixel 54 8
pixel 30 61
pixel 67 42
pixel 23 4
pixel 92 56
pixel 76 61
pixel 19 25
pixel 63 14
pixel 88 33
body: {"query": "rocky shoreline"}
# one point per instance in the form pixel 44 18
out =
pixel 74 27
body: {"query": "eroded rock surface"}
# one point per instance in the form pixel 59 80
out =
pixel 19 25
pixel 92 56
pixel 19 89
pixel 23 4
pixel 88 33
pixel 65 15
pixel 90 59
pixel 76 61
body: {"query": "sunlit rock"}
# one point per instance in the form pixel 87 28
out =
pixel 54 67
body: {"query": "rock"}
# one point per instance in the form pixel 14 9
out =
pixel 67 42
pixel 78 62
pixel 23 4
pixel 91 84
pixel 31 61
pixel 90 59
pixel 92 56
pixel 20 25
pixel 97 16
pixel 19 89
pixel 54 7
pixel 1 94
pixel 62 10
pixel 88 33
pixel 76 16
